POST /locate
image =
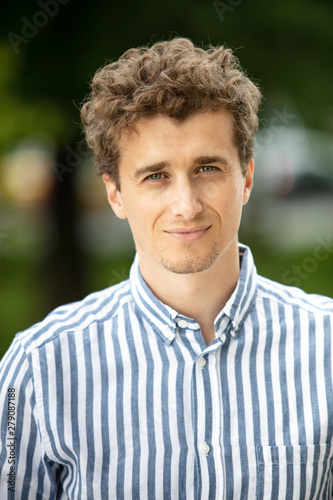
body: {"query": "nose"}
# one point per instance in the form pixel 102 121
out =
pixel 185 200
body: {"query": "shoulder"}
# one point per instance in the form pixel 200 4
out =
pixel 97 307
pixel 288 296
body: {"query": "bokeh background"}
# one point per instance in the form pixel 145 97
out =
pixel 58 237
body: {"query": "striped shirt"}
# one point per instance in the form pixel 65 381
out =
pixel 119 397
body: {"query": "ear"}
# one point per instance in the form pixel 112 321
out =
pixel 114 197
pixel 248 181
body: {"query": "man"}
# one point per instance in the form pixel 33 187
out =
pixel 195 378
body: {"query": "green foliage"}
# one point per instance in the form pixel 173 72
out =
pixel 20 117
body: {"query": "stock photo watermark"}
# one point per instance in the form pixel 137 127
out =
pixel 118 275
pixel 300 272
pixel 280 120
pixel 72 160
pixel 30 27
pixel 223 8
pixel 11 439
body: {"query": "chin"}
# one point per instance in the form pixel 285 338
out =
pixel 190 264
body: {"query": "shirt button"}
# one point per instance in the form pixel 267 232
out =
pixel 202 362
pixel 205 448
pixel 182 323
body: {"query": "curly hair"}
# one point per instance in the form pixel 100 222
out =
pixel 174 78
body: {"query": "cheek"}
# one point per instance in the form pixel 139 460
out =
pixel 229 208
pixel 141 217
pixel 228 200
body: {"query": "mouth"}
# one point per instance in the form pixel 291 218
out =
pixel 191 234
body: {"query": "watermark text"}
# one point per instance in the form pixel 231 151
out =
pixel 279 121
pixel 11 439
pixel 300 272
pixel 223 8
pixel 30 27
pixel 72 160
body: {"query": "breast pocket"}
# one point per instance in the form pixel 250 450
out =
pixel 290 472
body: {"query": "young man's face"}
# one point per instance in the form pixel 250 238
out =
pixel 182 189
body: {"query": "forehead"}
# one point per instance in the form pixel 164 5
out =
pixel 160 137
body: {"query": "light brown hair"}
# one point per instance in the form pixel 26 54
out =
pixel 174 78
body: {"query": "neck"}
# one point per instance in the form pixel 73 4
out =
pixel 200 296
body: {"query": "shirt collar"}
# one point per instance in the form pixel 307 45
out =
pixel 164 319
pixel 242 299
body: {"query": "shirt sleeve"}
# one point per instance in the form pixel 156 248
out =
pixel 24 466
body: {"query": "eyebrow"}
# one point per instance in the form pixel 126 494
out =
pixel 200 160
pixel 205 160
pixel 150 169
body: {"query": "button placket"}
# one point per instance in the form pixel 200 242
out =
pixel 202 362
pixel 207 377
pixel 202 373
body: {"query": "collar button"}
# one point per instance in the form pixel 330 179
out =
pixel 182 323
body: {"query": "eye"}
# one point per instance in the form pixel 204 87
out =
pixel 155 177
pixel 208 168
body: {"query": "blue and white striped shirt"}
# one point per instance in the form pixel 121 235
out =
pixel 119 397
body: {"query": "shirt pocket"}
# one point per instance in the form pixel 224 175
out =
pixel 290 472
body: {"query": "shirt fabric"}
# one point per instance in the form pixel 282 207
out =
pixel 119 397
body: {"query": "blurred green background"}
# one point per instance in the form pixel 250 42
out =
pixel 58 237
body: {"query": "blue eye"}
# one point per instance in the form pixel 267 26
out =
pixel 155 177
pixel 207 168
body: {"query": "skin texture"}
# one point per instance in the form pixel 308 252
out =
pixel 182 191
